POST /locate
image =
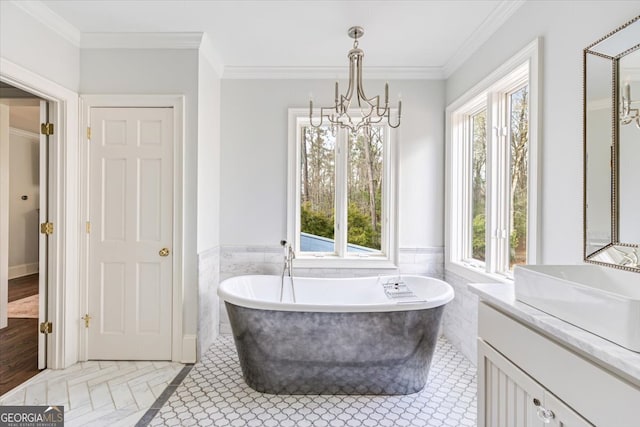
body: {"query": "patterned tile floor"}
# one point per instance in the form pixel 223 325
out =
pixel 214 394
pixel 98 393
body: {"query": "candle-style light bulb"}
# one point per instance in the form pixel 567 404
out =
pixel 627 91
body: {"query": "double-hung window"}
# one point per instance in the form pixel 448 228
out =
pixel 341 195
pixel 492 198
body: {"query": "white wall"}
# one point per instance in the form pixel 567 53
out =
pixel 24 168
pixel 254 157
pixel 41 59
pixel 208 245
pixel 28 43
pixel 158 71
pixel 208 156
pixel 566 27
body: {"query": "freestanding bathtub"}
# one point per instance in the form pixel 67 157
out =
pixel 340 336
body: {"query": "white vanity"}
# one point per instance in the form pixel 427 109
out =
pixel 535 369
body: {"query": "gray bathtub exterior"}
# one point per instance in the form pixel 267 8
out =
pixel 291 352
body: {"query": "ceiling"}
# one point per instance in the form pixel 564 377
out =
pixel 425 34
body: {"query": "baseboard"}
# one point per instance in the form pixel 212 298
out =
pixel 23 270
pixel 189 349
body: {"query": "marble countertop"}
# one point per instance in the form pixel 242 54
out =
pixel 623 362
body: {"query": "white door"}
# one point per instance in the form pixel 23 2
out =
pixel 43 216
pixel 131 219
pixel 4 214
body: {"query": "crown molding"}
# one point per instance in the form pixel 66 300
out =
pixel 372 73
pixel 39 11
pixel 211 55
pixel 141 40
pixel 489 26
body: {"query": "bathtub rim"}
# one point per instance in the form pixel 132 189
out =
pixel 226 295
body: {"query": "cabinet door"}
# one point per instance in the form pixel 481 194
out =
pixel 505 393
pixel 563 416
pixel 507 397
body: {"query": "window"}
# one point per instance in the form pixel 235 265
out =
pixel 341 194
pixel 492 181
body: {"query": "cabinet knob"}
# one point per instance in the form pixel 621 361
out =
pixel 545 415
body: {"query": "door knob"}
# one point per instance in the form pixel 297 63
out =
pixel 164 252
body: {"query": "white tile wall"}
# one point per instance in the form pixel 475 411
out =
pixel 460 320
pixel 208 315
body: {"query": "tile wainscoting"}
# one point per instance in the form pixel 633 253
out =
pixel 208 301
pixel 460 320
pixel 241 260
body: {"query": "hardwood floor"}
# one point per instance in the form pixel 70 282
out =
pixel 23 287
pixel 19 340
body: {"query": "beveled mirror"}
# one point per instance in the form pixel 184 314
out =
pixel 612 149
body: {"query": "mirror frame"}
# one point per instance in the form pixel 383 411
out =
pixel 634 248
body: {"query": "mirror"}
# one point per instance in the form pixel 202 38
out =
pixel 612 149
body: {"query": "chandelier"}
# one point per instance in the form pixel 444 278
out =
pixel 354 110
pixel 627 114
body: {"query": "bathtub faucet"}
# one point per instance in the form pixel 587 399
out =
pixel 289 255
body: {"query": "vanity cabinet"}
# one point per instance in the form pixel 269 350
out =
pixel 511 398
pixel 528 379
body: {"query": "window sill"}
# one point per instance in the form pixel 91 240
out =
pixel 346 263
pixel 475 274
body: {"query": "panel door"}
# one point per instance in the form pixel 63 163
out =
pixel 131 217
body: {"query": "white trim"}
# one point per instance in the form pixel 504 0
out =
pixel 211 55
pixel 41 12
pixel 320 72
pixel 63 243
pixel 24 134
pixel 531 51
pixel 181 346
pixel 530 55
pixel 186 40
pixel 389 258
pixel 21 270
pixel 189 349
pixel 498 16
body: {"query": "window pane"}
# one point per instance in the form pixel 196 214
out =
pixel 519 115
pixel 364 191
pixel 479 184
pixel 317 189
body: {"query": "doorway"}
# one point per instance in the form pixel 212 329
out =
pixel 23 249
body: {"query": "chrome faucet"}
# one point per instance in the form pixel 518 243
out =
pixel 289 255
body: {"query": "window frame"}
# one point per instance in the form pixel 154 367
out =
pixel 298 118
pixel 492 93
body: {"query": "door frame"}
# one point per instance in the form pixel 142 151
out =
pixel 182 345
pixel 62 260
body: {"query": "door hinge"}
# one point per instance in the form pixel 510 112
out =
pixel 88 133
pixel 46 128
pixel 88 226
pixel 46 228
pixel 46 328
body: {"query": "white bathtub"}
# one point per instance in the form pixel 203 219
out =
pixel 340 336
pixel 362 294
